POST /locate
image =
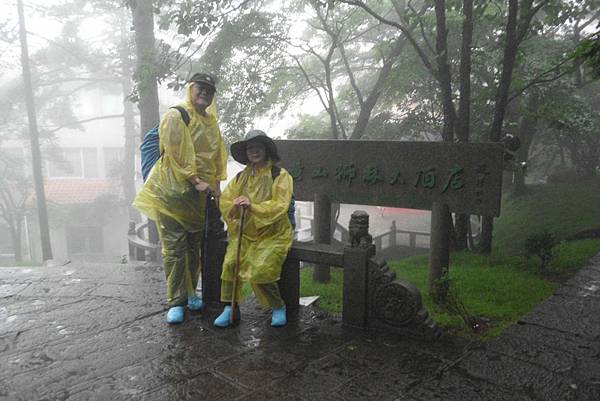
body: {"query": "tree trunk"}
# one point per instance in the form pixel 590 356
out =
pixel 439 255
pixel 443 71
pixel 15 235
pixel 464 106
pixel 508 63
pixel 36 156
pixel 441 220
pixel 128 174
pixel 322 233
pixel 146 76
pixel 461 230
pixel 527 130
pixel 366 108
pixel 463 129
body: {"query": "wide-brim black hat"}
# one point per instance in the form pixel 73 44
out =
pixel 238 149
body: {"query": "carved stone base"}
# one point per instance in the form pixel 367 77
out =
pixel 397 305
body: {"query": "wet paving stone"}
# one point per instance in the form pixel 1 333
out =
pixel 271 394
pixel 521 376
pixel 254 368
pixel 452 386
pixel 205 386
pixel 568 314
pixel 92 332
pixel 375 357
pixel 522 349
pixel 320 379
pixel 556 351
pixel 586 277
pixel 9 290
pixel 380 385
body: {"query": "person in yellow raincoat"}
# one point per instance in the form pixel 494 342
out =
pixel 267 233
pixel 193 162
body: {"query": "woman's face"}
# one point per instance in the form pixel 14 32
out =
pixel 202 95
pixel 256 152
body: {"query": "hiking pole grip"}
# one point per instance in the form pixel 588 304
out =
pixel 236 271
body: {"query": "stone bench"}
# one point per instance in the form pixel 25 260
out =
pixel 371 295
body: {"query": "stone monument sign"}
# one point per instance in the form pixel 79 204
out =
pixel 466 176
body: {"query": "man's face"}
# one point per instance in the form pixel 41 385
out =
pixel 202 95
pixel 256 152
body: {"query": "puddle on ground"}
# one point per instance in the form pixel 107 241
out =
pixel 253 342
pixel 590 289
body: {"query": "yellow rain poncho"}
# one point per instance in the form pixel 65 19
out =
pixel 171 200
pixel 195 150
pixel 267 233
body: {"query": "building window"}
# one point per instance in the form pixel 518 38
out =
pixel 75 163
pixel 86 239
pixel 69 165
pixel 90 162
pixel 113 161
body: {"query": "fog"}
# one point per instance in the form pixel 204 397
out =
pixel 295 69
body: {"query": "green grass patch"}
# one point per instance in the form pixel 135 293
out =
pixel 507 285
pixel 497 288
pixel 568 257
pixel 330 293
pixel 489 288
pixel 562 209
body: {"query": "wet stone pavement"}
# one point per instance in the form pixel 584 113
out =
pixel 97 332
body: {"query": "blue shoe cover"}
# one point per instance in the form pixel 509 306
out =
pixel 223 319
pixel 195 303
pixel 175 315
pixel 279 318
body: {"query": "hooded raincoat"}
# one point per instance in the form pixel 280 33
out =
pixel 267 233
pixel 169 199
pixel 187 151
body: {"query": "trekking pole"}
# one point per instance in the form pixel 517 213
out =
pixel 236 272
pixel 204 260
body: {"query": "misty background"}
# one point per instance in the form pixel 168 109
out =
pixel 97 75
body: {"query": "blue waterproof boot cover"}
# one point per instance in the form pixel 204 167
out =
pixel 175 315
pixel 279 319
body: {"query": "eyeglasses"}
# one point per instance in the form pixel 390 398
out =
pixel 202 87
pixel 255 146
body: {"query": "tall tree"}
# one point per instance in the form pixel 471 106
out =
pixel 146 74
pixel 34 138
pixel 15 190
pixel 128 171
pixel 517 25
pixel 518 22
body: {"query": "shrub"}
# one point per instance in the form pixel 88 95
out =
pixel 542 245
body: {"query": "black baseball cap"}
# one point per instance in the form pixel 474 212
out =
pixel 205 78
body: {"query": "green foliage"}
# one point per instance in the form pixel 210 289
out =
pixel 311 127
pixel 570 256
pixel 561 209
pixel 240 45
pixel 541 245
pixel 589 50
